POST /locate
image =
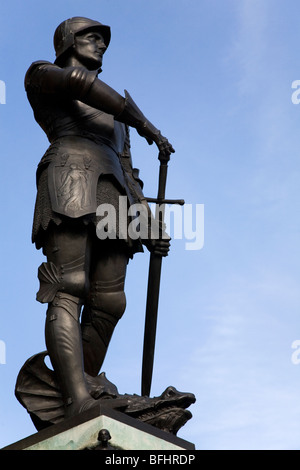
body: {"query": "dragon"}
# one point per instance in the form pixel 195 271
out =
pixel 38 392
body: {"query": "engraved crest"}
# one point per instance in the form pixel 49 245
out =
pixel 73 192
pixel 72 185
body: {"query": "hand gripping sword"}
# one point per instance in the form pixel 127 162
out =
pixel 155 266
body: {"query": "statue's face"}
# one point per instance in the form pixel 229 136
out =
pixel 89 48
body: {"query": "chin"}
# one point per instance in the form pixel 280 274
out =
pixel 93 64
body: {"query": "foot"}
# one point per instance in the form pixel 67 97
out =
pixel 76 408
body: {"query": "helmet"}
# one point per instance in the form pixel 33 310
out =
pixel 65 33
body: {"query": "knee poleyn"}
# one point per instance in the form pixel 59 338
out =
pixel 112 303
pixel 55 279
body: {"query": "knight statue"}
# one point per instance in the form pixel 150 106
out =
pixel 88 163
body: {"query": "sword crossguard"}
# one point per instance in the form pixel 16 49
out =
pixel 180 202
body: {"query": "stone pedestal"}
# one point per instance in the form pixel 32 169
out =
pixel 81 433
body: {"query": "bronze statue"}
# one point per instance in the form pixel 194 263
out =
pixel 88 163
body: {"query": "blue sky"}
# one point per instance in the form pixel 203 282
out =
pixel 215 76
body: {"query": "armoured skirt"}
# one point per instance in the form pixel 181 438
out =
pixel 79 196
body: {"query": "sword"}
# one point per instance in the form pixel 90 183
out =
pixel 155 266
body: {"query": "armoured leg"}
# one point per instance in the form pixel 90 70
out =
pixel 63 341
pixel 105 306
pixel 67 255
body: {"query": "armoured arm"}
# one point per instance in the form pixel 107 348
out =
pixel 81 84
pixel 74 82
pixel 125 110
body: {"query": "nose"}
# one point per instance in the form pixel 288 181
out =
pixel 101 45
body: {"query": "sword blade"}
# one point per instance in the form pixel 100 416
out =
pixel 151 322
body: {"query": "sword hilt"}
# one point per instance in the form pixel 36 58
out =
pixel 181 202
